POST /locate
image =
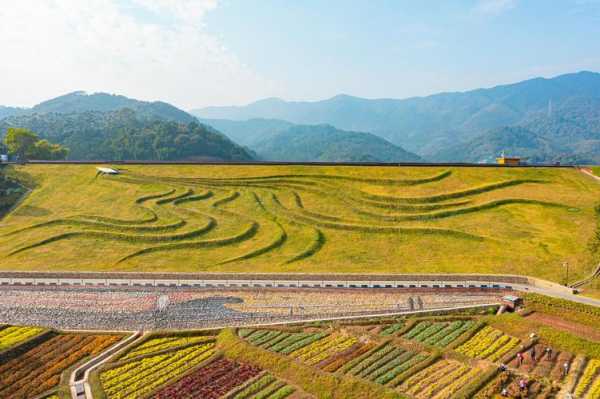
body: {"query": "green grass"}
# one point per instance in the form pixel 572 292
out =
pixel 304 219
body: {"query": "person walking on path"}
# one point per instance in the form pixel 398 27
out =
pixel 520 358
pixel 522 384
pixel 565 369
pixel 533 353
pixel 548 353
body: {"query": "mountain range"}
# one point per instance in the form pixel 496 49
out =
pixel 564 111
pixel 104 126
pixel 543 120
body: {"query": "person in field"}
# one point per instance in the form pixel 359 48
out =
pixel 548 353
pixel 533 354
pixel 520 358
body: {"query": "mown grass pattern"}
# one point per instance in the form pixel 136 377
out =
pixel 278 218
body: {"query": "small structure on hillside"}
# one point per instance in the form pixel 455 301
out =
pixel 3 158
pixel 509 161
pixel 512 302
pixel 107 171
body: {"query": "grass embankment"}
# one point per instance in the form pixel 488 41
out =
pixel 304 219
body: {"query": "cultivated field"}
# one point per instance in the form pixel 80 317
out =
pixel 304 219
pixel 441 355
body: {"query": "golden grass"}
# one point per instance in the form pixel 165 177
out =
pixel 307 219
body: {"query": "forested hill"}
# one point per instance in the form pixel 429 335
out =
pixel 128 135
pixel 564 110
pixel 81 102
pixel 325 143
pixel 9 111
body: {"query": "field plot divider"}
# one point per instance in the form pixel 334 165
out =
pixel 362 316
pixel 79 376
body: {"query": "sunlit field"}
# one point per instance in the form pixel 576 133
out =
pixel 304 219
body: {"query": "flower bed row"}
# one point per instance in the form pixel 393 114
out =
pixel 210 381
pixel 441 380
pixel 13 335
pixel 140 377
pixel 392 329
pixel 383 363
pixel 589 379
pixel 439 334
pixel 489 343
pixel 266 387
pixel 323 349
pixel 39 369
pixel 160 344
pixel 279 341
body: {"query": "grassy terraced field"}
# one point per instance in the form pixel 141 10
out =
pixel 304 219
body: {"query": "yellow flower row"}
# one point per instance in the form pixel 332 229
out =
pixel 159 344
pixel 10 336
pixel 332 350
pixel 590 371
pixel 488 343
pixel 142 376
pixel 319 347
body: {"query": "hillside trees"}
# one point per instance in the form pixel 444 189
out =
pixel 127 135
pixel 25 144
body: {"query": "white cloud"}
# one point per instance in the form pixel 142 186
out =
pixel 50 47
pixel 494 7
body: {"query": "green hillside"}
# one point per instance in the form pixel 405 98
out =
pixel 304 219
pixel 128 134
pixel 325 143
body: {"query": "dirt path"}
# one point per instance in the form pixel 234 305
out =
pixel 580 330
pixel 589 172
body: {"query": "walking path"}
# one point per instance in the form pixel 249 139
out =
pixel 183 281
pixel 80 387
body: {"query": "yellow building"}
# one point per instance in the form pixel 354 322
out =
pixel 508 161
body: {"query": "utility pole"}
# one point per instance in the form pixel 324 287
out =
pixel 566 265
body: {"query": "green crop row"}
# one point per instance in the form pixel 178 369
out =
pixel 149 197
pixel 392 329
pixel 461 211
pixel 245 234
pixel 452 195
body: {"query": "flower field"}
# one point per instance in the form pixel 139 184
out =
pixel 534 389
pixel 383 363
pixel 430 356
pixel 279 341
pixel 489 343
pixel 588 385
pixel 211 381
pixel 265 387
pixel 392 329
pixel 439 334
pixel 544 366
pixel 11 336
pixel 440 381
pixel 39 369
pixel 162 344
pixel 322 349
pixel 141 376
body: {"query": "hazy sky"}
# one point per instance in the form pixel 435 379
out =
pixel 194 53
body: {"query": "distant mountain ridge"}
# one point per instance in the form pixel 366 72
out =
pixel 325 143
pixel 249 132
pixel 430 125
pixel 80 101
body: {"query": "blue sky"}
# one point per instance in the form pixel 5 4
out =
pixel 195 53
pixel 403 48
